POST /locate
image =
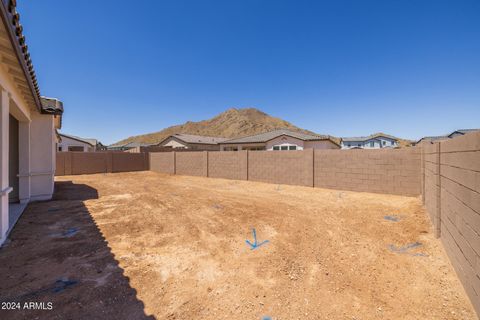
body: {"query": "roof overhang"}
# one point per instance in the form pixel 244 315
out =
pixel 28 84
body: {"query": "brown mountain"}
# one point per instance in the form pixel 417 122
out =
pixel 229 124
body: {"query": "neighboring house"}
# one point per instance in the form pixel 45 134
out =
pixel 192 142
pixel 280 140
pixel 431 139
pixel 454 134
pixel 28 124
pixel 374 141
pixel 128 146
pixel 74 143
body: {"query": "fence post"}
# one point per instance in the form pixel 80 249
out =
pixel 205 163
pixel 308 155
pixel 174 162
pixel 422 163
pixel 248 155
pixel 438 214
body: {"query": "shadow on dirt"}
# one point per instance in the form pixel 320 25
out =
pixel 59 260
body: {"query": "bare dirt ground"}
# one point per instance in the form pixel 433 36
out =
pixel 147 245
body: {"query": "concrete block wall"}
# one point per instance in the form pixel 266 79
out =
pixel 163 162
pixel 382 171
pixel 228 165
pixel 287 167
pixel 452 200
pixel 392 171
pixel 191 163
pixel 72 163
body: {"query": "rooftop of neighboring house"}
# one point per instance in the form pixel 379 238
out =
pixel 432 138
pixel 446 136
pixel 194 139
pixel 267 136
pixel 462 131
pixel 130 145
pixel 92 142
pixel 370 137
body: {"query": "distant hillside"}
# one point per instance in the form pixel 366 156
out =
pixel 229 124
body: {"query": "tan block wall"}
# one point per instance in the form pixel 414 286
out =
pixel 191 163
pixel 60 164
pixel 88 162
pixel 392 171
pixel 285 167
pixel 452 200
pixel 228 165
pixel 163 162
pixel 124 162
pixel 72 163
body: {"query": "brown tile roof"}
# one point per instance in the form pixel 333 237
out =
pixel 11 20
pixel 267 136
pixel 372 136
pixel 191 138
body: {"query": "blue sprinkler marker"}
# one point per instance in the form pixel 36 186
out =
pixel 255 244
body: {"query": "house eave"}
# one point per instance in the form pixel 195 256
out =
pixel 13 29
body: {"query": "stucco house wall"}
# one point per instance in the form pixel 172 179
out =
pixel 35 134
pixel 285 141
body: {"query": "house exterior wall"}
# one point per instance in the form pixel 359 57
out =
pixel 67 142
pixel 285 141
pixel 240 146
pixel 36 148
pixel 173 143
pixel 320 145
pixel 42 156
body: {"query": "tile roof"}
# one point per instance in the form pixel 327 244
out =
pixel 12 21
pixel 432 138
pixel 463 131
pixel 267 136
pixel 191 138
pixel 92 142
pixel 372 136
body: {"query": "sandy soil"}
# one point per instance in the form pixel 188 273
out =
pixel 147 245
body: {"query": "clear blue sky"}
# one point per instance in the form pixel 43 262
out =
pixel 346 68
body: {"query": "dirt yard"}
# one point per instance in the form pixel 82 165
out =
pixel 151 246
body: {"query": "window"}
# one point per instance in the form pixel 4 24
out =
pixel 372 144
pixel 292 147
pixel 384 142
pixel 284 148
pixel 276 148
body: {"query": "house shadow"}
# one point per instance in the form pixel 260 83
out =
pixel 58 265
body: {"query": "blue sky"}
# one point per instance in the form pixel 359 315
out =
pixel 408 68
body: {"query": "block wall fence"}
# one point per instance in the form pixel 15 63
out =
pixel 72 163
pixel 383 171
pixel 451 194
